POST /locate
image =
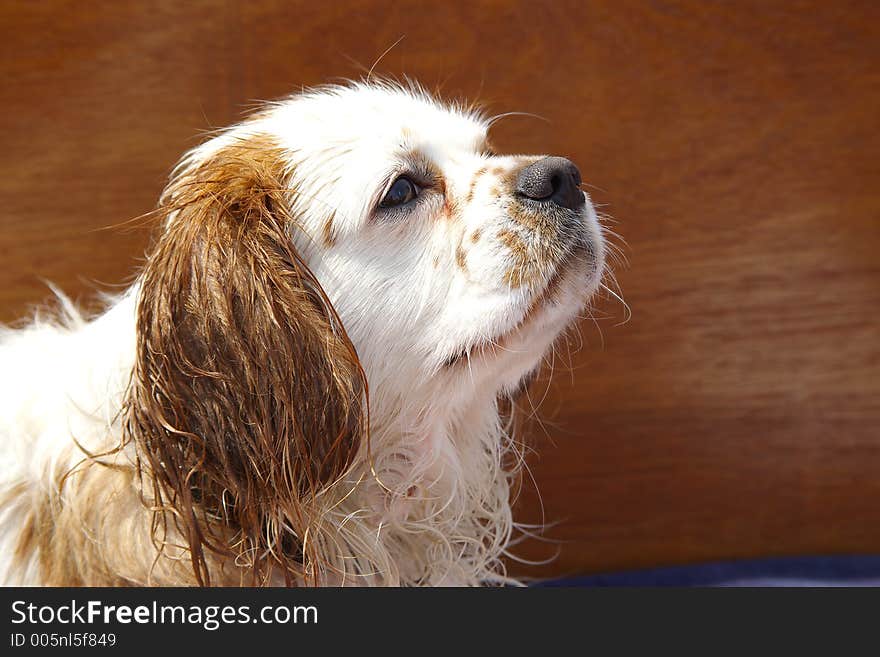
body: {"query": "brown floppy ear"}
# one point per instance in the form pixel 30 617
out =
pixel 247 397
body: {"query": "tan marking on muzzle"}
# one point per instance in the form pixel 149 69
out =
pixel 474 180
pixel 515 244
pixel 532 255
pixel 530 220
pixel 461 258
pixel 521 270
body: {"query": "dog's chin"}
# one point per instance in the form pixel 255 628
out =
pixel 551 309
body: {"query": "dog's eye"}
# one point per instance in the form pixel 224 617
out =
pixel 402 191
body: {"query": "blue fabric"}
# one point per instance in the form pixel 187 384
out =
pixel 852 570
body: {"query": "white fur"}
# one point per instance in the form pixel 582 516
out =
pixel 433 508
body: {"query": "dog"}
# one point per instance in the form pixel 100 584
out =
pixel 306 383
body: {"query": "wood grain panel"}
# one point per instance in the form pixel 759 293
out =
pixel 735 144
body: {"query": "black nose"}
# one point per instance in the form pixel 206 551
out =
pixel 552 180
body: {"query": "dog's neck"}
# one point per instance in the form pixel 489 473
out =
pixel 431 481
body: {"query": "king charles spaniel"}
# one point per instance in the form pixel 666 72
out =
pixel 306 383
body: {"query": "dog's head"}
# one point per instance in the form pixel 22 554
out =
pixel 345 239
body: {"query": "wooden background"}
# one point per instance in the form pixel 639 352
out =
pixel 738 413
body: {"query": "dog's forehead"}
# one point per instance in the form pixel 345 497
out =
pixel 376 118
